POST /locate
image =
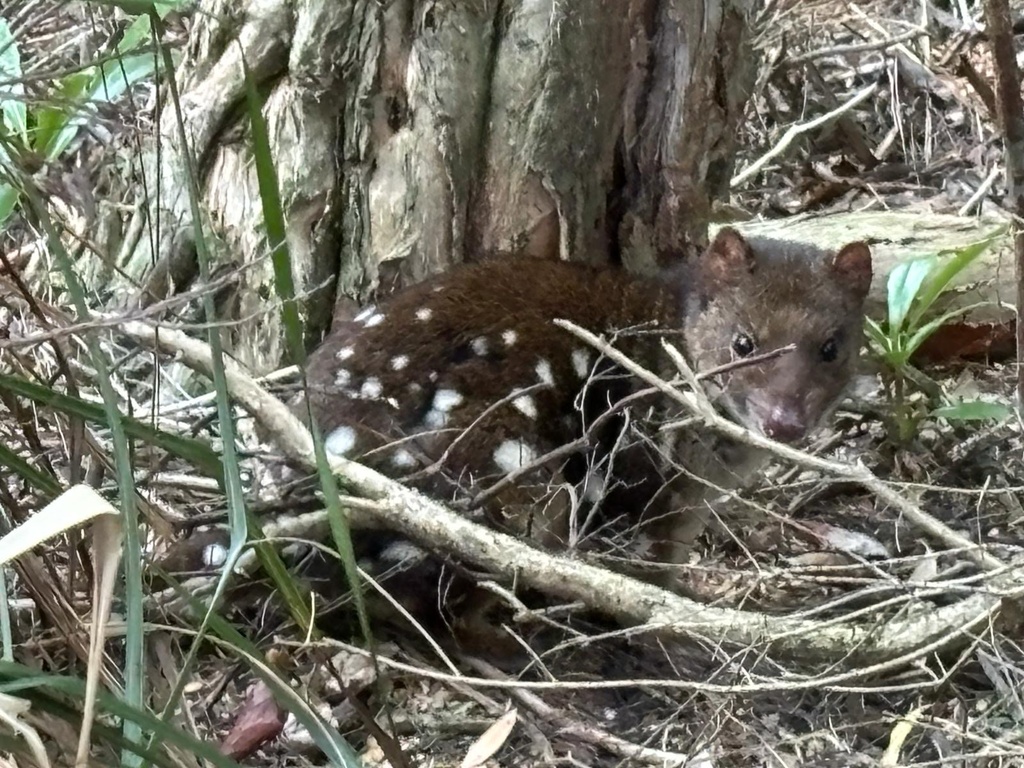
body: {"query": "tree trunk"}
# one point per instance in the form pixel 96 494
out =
pixel 412 135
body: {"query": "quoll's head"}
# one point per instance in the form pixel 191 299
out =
pixel 758 295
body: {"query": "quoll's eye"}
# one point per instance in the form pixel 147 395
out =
pixel 829 350
pixel 743 345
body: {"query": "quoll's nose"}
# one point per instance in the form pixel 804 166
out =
pixel 785 424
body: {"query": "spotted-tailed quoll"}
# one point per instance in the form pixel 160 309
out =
pixel 463 386
pixel 460 380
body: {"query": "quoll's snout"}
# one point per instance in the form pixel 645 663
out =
pixel 779 413
pixel 785 422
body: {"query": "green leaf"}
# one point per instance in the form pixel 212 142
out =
pixel 107 83
pixel 947 269
pixel 49 120
pixel 877 336
pixel 974 410
pixel 116 76
pixel 12 96
pixel 8 199
pixel 144 7
pixel 138 32
pixel 904 282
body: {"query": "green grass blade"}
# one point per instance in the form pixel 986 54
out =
pixel 134 671
pixel 196 452
pixel 273 217
pixel 38 480
pixel 328 739
pixel 40 689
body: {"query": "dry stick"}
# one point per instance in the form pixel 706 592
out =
pixel 630 601
pixel 835 681
pixel 986 185
pixel 1011 115
pixel 795 130
pixel 563 450
pixel 745 362
pixel 840 50
pixel 699 403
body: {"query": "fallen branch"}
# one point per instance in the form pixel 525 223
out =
pixel 889 641
pixel 698 403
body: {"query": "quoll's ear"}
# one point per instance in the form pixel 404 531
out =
pixel 728 258
pixel 852 268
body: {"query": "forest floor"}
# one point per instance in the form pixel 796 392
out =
pixel 799 545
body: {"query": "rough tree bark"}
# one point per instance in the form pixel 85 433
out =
pixel 414 134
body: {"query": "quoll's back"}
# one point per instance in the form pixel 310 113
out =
pixel 460 380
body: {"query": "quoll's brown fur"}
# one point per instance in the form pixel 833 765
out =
pixel 457 381
pixel 463 378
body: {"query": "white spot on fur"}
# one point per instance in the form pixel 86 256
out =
pixel 479 345
pixel 341 441
pixel 544 373
pixel 424 313
pixel 444 401
pixel 432 376
pixel 514 454
pixel 581 362
pixel 371 388
pixel 365 314
pixel 342 377
pixel 525 405
pixel 402 458
pixel 593 486
pixel 346 352
pixel 376 319
pixel 509 337
pixel 398 362
pixel 402 552
pixel 214 555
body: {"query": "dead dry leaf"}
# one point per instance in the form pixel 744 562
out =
pixel 78 505
pixel 898 736
pixel 490 741
pixel 11 710
pixel 926 569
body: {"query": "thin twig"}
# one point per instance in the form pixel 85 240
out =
pixel 840 50
pixel 895 641
pixel 795 130
pixel 699 404
pixel 986 185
